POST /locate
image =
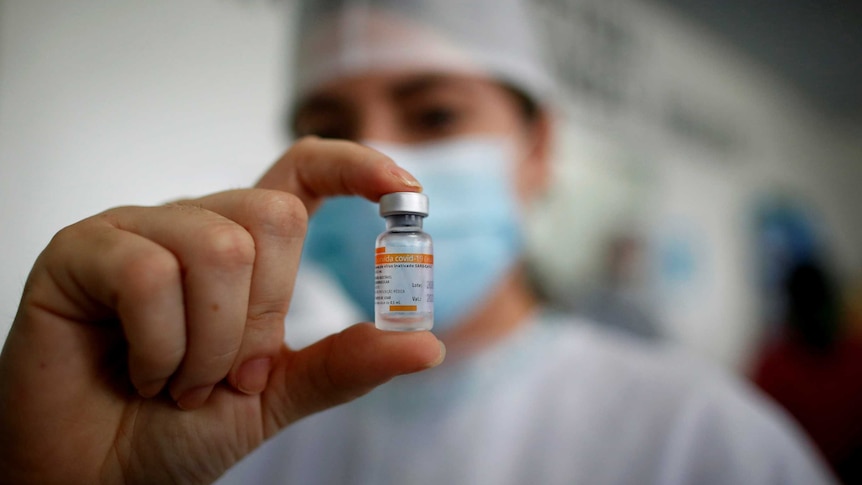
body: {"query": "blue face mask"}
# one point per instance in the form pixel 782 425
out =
pixel 473 220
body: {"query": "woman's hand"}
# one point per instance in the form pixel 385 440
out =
pixel 148 346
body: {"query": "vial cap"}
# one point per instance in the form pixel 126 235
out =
pixel 404 203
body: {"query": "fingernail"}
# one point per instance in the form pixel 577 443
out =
pixel 253 375
pixel 405 177
pixel 194 398
pixel 440 357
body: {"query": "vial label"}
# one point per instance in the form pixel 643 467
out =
pixel 403 290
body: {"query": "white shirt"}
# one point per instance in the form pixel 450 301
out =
pixel 559 402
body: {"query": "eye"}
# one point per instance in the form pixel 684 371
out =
pixel 340 133
pixel 325 118
pixel 435 119
pixel 438 117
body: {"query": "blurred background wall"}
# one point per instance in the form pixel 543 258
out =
pixel 114 103
pixel 701 114
pixel 669 123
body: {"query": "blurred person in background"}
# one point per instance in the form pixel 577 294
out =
pixel 464 107
pixel 148 344
pixel 814 368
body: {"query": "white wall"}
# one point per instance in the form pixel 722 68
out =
pixel 637 68
pixel 135 102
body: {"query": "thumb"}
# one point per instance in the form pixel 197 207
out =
pixel 341 368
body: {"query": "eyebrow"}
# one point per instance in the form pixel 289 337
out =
pixel 403 89
pixel 419 84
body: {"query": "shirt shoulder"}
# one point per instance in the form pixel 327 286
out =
pixel 703 424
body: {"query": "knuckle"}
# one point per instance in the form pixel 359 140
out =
pixel 227 244
pixel 111 215
pixel 64 237
pixel 264 333
pixel 78 232
pixel 278 213
pixel 267 315
pixel 146 272
pixel 89 227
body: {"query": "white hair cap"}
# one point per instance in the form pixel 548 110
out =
pixel 492 38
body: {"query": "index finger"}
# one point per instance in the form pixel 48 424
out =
pixel 314 168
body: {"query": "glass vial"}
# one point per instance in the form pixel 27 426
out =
pixel 404 265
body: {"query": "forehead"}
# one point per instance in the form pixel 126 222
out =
pixel 394 87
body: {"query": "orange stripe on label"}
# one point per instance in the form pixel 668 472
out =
pixel 395 258
pixel 380 250
pixel 402 308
